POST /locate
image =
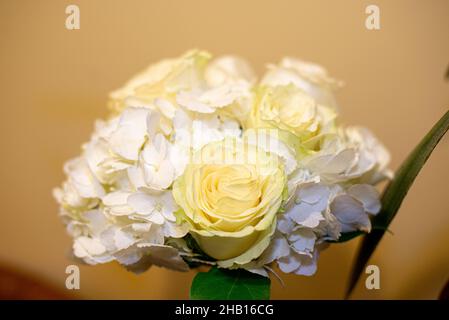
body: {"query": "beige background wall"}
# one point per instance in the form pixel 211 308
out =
pixel 54 83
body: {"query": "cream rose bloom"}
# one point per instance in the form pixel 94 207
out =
pixel 162 80
pixel 308 76
pixel 230 193
pixel 291 110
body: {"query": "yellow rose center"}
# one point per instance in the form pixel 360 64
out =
pixel 230 190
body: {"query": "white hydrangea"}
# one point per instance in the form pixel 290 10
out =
pixel 351 153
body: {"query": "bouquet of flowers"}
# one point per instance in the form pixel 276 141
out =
pixel 201 163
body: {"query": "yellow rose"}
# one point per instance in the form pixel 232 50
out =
pixel 290 109
pixel 230 193
pixel 162 80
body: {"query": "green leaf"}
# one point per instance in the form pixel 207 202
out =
pixel 223 284
pixel 394 194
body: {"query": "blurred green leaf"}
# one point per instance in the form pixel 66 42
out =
pixel 221 284
pixel 394 195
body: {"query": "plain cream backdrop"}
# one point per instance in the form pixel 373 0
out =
pixel 54 84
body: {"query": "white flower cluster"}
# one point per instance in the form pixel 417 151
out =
pixel 124 197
